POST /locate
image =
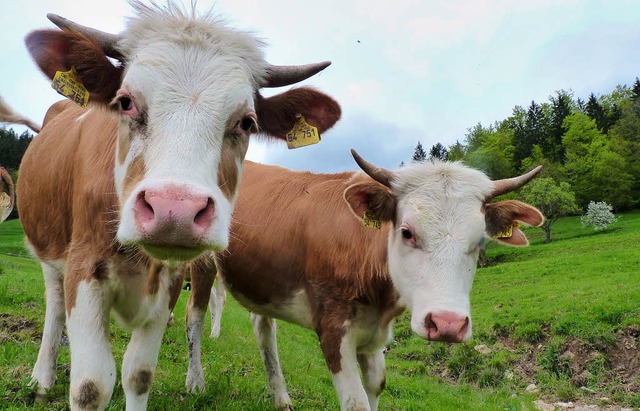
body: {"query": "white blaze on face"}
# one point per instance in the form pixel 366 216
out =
pixel 177 101
pixel 433 251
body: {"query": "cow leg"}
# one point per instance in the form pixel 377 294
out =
pixel 339 350
pixel 93 369
pixel 373 375
pixel 264 329
pixel 44 372
pixel 216 303
pixel 140 361
pixel 202 276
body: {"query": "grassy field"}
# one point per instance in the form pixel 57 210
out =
pixel 565 316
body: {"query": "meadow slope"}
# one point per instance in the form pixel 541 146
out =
pixel 564 316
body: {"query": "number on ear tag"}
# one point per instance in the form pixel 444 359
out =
pixel 370 221
pixel 507 232
pixel 302 134
pixel 69 85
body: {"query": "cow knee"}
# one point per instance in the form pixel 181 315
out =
pixel 89 395
pixel 140 381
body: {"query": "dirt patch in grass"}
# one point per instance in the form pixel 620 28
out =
pixel 16 329
pixel 624 357
pixel 595 375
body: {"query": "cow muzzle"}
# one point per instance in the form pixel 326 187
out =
pixel 446 326
pixel 173 221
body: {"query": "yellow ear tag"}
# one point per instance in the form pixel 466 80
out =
pixel 507 232
pixel 302 134
pixel 69 85
pixel 371 222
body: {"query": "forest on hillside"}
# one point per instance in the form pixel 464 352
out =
pixel 589 148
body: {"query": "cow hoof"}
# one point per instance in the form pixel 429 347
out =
pixel 215 333
pixel 283 404
pixel 195 385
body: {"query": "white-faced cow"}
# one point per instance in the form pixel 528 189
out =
pixel 7 200
pixel 114 197
pixel 300 255
pixel 7 189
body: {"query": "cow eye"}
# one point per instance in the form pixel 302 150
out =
pixel 247 124
pixel 125 103
pixel 406 233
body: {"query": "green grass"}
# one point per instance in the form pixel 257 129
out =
pixel 528 306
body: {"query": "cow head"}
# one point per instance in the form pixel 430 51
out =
pixel 186 93
pixel 7 194
pixel 440 217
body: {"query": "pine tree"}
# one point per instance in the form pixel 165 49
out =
pixel 438 152
pixel 419 155
pixel 596 112
pixel 636 90
pixel 560 109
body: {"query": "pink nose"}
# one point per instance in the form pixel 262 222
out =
pixel 446 326
pixel 173 217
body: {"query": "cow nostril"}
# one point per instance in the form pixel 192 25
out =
pixel 143 209
pixel 204 216
pixel 430 325
pixel 465 326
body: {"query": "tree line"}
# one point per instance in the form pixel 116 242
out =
pixel 588 148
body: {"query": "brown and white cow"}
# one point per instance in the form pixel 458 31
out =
pixel 299 255
pixel 7 189
pixel 116 197
pixel 7 200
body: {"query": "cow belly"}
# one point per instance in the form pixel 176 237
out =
pixel 295 309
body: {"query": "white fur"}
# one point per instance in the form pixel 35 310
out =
pixel 189 76
pixel 264 329
pixel 217 299
pixel 44 371
pixel 442 203
pixel 90 346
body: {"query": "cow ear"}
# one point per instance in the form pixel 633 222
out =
pixel 503 219
pixel 373 198
pixel 55 50
pixel 278 114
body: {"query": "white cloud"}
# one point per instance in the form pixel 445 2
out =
pixel 406 70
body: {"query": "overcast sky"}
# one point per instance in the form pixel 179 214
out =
pixel 404 71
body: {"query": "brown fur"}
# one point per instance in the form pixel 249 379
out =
pixel 501 215
pixel 88 395
pixel 372 197
pixel 78 200
pixel 234 148
pixel 142 381
pixel 277 114
pixel 55 50
pixel 134 174
pixel 301 235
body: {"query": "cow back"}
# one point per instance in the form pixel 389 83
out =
pixel 293 231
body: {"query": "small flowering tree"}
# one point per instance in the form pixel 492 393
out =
pixel 552 199
pixel 598 216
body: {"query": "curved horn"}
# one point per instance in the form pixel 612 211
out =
pixel 107 41
pixel 381 175
pixel 279 76
pixel 509 184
